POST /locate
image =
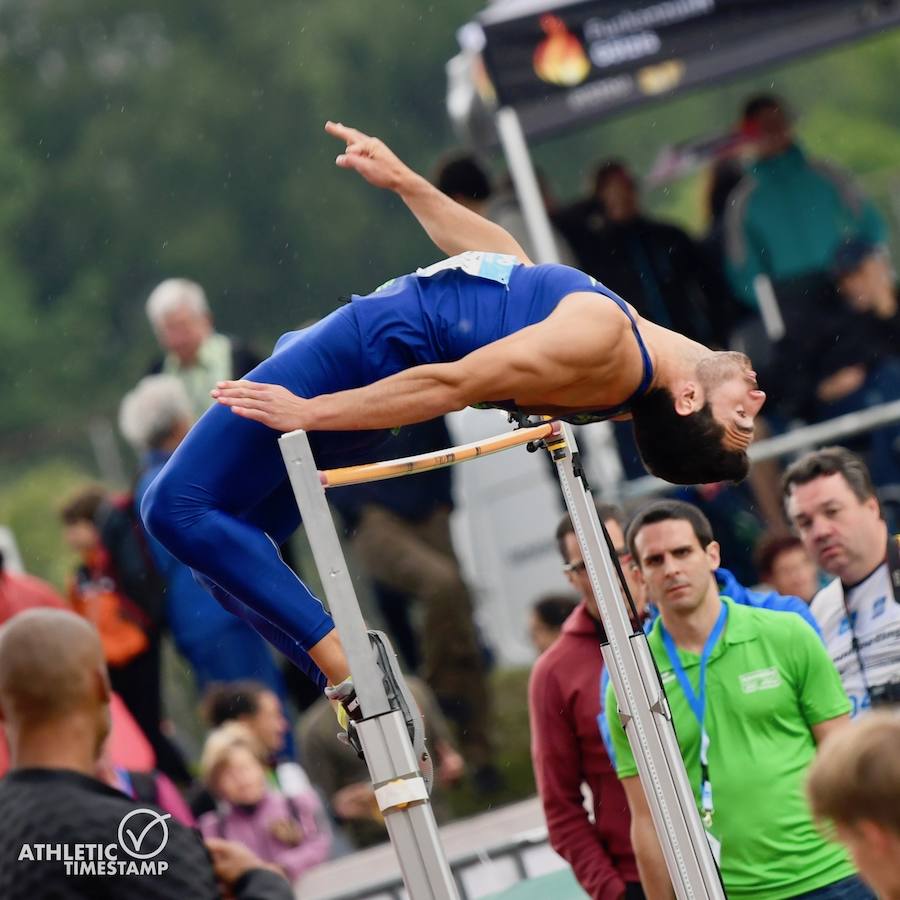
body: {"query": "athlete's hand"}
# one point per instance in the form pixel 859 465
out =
pixel 270 404
pixel 369 156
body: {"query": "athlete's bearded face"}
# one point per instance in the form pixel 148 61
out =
pixel 732 392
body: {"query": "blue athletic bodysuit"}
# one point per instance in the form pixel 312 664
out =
pixel 223 503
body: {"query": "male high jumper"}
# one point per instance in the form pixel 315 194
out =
pixel 485 327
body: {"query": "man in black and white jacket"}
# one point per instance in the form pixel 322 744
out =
pixel 830 500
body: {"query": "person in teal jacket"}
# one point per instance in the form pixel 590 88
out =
pixel 789 214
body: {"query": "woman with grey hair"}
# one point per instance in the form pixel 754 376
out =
pixel 156 414
pixel 154 417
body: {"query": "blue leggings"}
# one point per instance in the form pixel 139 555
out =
pixel 223 503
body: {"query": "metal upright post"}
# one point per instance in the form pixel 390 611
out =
pixel 399 787
pixel 525 181
pixel 641 699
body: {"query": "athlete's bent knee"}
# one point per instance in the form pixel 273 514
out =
pixel 158 513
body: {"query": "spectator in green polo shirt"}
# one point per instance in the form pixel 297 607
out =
pixel 766 693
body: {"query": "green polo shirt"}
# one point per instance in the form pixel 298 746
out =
pixel 768 680
pixel 213 364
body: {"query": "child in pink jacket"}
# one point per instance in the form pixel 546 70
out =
pixel 289 831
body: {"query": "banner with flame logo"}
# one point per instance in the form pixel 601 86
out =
pixel 585 59
pixel 560 58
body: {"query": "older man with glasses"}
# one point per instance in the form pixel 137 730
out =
pixel 566 747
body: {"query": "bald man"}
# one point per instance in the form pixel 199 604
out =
pixel 65 834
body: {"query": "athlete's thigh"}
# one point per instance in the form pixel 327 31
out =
pixel 277 513
pixel 235 464
pixel 226 463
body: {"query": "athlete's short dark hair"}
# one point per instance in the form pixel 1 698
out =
pixel 683 449
pixel 664 511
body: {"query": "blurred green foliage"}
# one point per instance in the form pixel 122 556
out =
pixel 142 142
pixel 29 504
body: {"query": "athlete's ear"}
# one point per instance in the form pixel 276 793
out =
pixel 688 398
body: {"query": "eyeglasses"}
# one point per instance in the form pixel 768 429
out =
pixel 622 553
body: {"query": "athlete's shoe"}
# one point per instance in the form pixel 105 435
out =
pixel 346 709
pixel 399 698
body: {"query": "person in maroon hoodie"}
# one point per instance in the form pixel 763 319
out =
pixel 566 747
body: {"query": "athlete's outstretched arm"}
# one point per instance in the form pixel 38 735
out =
pixel 451 226
pixel 414 395
pixel 529 367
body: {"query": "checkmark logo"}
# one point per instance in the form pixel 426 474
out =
pixel 148 834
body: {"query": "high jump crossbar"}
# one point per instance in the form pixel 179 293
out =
pixel 437 459
pixel 640 696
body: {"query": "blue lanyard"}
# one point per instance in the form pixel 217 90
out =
pixel 698 703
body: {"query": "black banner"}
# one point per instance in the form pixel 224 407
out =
pixel 562 63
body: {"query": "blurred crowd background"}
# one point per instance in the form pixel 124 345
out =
pixel 171 206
